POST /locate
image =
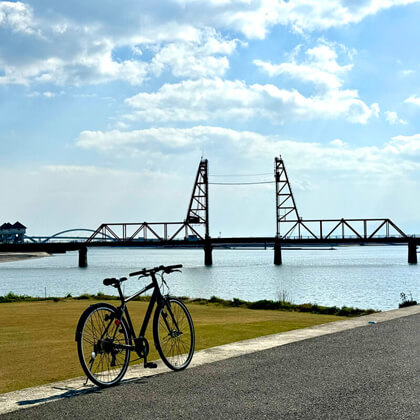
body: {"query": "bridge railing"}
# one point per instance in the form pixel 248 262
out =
pixel 339 237
pixel 145 231
pixel 340 228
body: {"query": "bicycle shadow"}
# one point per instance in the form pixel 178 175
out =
pixel 70 392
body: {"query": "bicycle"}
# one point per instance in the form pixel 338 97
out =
pixel 105 335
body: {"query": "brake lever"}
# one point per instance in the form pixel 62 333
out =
pixel 172 271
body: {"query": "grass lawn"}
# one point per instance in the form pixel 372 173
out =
pixel 37 338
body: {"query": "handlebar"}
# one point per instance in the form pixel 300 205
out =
pixel 147 272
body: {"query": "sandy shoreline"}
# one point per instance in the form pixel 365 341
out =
pixel 19 256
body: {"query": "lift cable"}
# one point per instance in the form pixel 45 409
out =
pixel 241 183
pixel 235 175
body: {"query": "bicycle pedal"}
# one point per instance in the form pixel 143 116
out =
pixel 150 365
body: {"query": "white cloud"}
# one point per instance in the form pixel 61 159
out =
pixel 407 146
pixel 18 17
pixel 338 143
pixel 256 18
pixel 93 61
pixel 50 42
pixel 159 141
pixel 201 100
pixel 201 57
pixel 86 50
pixel 309 15
pixel 400 151
pixel 92 65
pixel 392 118
pixel 413 99
pixel 407 72
pixel 318 66
pixel 46 94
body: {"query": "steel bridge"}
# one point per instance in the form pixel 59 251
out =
pixel 61 236
pixel 193 231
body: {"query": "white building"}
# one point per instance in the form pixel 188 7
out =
pixel 12 233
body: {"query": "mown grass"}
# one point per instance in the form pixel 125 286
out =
pixel 37 338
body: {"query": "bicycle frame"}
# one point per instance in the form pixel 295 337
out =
pixel 156 298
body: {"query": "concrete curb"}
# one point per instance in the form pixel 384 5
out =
pixel 31 397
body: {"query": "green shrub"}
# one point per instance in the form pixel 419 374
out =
pixel 264 304
pixel 84 296
pixel 305 307
pixel 11 297
pixel 406 300
pixel 238 302
pixel 235 302
pixel 215 299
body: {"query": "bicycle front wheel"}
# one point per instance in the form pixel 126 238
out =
pixel 173 332
pixel 102 342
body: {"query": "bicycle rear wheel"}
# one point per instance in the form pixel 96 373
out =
pixel 173 332
pixel 100 344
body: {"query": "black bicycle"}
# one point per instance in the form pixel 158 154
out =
pixel 105 334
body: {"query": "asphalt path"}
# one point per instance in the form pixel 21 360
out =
pixel 372 372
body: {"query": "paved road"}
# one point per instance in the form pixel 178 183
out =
pixel 365 373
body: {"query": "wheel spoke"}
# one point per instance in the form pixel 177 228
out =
pixel 175 335
pixel 99 336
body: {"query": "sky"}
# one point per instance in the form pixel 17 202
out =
pixel 107 107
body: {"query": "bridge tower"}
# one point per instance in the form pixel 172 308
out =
pixel 198 210
pixel 286 210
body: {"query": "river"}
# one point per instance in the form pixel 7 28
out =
pixel 360 276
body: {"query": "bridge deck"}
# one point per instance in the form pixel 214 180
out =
pixel 61 247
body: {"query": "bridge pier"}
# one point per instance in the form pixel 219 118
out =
pixel 412 252
pixel 277 252
pixel 83 262
pixel 208 250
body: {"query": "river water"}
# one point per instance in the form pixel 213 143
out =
pixel 362 276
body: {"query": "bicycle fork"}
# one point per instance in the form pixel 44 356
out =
pixel 171 332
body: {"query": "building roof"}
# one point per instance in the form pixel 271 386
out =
pixel 19 225
pixel 7 225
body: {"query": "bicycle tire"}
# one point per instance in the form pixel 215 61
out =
pixel 173 333
pixel 103 363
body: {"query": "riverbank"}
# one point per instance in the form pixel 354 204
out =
pixel 45 351
pixel 19 256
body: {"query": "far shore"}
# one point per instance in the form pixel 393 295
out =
pixel 19 256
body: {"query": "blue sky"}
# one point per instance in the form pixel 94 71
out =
pixel 107 107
